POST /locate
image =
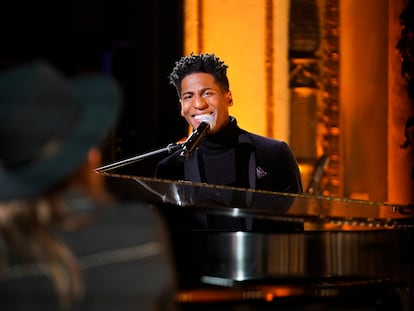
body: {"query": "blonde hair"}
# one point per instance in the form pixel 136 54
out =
pixel 27 227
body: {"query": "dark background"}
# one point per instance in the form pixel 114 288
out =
pixel 136 41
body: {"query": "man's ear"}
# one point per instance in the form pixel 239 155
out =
pixel 230 98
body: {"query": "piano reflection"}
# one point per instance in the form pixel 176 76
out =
pixel 350 255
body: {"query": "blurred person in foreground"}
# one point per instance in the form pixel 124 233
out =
pixel 228 155
pixel 65 243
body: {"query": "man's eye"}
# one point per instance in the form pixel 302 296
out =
pixel 187 97
pixel 208 94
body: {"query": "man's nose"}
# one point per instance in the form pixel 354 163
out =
pixel 199 102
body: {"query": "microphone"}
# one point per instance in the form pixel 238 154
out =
pixel 194 140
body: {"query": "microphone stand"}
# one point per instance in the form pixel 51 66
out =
pixel 170 148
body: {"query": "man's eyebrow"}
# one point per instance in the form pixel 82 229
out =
pixel 187 92
pixel 199 91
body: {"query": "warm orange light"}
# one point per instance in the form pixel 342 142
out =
pixel 237 33
pixel 269 297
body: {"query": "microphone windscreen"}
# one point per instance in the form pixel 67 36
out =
pixel 208 118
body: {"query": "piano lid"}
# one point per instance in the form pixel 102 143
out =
pixel 239 202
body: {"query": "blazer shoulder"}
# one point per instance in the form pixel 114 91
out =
pixel 263 141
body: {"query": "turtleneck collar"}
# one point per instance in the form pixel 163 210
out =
pixel 229 150
pixel 226 137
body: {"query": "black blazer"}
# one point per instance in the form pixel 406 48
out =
pixel 272 166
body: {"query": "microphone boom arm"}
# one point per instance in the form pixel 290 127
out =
pixel 170 148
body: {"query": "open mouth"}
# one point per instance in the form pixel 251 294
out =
pixel 202 117
pixel 206 118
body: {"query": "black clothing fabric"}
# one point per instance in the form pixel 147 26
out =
pixel 234 157
pixel 125 260
pixel 223 159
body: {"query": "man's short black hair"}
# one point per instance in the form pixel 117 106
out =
pixel 207 63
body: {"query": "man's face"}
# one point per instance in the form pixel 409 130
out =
pixel 200 95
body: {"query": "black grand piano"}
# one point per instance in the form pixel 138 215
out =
pixel 350 255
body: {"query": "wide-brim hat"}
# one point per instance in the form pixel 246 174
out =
pixel 48 123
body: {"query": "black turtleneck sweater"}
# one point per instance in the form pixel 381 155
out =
pixel 236 158
pixel 221 160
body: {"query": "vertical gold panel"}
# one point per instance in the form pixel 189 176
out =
pixel 193 26
pixel 363 97
pixel 269 64
pixel 400 109
pixel 243 34
pixel 331 98
pixel 236 33
pixel 281 92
